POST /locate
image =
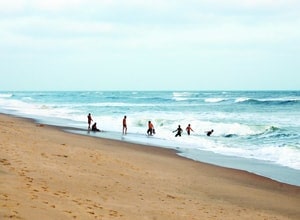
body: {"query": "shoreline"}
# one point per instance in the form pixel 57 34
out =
pixel 174 151
pixel 47 172
pixel 262 168
pixel 278 166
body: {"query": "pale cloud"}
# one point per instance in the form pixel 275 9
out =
pixel 146 37
pixel 17 5
pixel 11 6
pixel 65 5
pixel 190 26
pixel 264 3
pixel 53 5
pixel 43 33
pixel 252 3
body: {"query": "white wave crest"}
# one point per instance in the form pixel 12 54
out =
pixel 5 95
pixel 241 99
pixel 215 100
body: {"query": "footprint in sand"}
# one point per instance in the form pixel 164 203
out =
pixel 5 162
pixel 59 155
pixel 34 197
pixel 44 155
pixel 45 188
pixel 113 213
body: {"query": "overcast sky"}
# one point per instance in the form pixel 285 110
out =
pixel 149 45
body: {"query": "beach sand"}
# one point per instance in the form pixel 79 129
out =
pixel 46 173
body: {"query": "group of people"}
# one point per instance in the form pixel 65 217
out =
pixel 94 126
pixel 188 129
pixel 150 130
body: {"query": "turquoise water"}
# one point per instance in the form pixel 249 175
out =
pixel 257 131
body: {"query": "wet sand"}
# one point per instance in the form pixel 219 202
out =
pixel 46 173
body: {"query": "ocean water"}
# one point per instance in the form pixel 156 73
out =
pixel 256 131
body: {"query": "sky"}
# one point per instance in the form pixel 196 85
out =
pixel 149 45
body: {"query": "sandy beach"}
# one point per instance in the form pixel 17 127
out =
pixel 46 173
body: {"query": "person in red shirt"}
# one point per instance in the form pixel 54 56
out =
pixel 189 129
pixel 150 130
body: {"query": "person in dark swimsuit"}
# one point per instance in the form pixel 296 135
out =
pixel 89 120
pixel 94 127
pixel 124 125
pixel 179 131
pixel 208 133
